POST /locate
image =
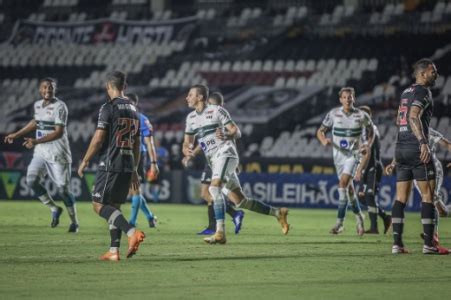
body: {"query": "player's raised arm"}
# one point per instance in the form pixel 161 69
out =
pixel 31 126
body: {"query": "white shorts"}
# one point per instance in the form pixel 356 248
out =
pixel 346 166
pixel 59 173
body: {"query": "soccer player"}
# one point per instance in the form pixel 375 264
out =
pixel 148 157
pixel 435 138
pixel 413 156
pixel 208 123
pixel 215 98
pixel 116 139
pixel 349 125
pixel 370 176
pixel 52 155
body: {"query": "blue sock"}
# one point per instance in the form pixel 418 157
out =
pixel 145 208
pixel 136 201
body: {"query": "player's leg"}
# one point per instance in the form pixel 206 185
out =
pixel 438 197
pixel 36 170
pixel 136 203
pixel 237 196
pixel 370 199
pixel 110 190
pixel 355 205
pixel 205 180
pixel 236 214
pixel 343 181
pixel 143 167
pixel 60 174
pixel 386 218
pixel 403 188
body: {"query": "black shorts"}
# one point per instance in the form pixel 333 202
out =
pixel 205 178
pixel 111 187
pixel 410 167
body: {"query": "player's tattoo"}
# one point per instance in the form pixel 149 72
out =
pixel 417 129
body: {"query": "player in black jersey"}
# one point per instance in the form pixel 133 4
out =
pixel 369 174
pixel 116 139
pixel 413 156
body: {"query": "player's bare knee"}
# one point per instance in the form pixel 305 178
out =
pixel 216 183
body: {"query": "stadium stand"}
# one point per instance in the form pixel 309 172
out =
pixel 270 52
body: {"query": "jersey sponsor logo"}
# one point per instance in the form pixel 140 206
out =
pixel 209 112
pixel 192 116
pixel 209 117
pixel 344 144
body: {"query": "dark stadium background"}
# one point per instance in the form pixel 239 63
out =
pixel 279 63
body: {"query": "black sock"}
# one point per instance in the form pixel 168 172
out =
pixel 116 235
pixel 230 209
pixel 372 209
pixel 398 222
pixel 427 219
pixel 211 218
pixel 115 217
pixel 382 213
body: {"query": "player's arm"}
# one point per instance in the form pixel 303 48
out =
pixel 233 132
pixel 56 134
pixel 31 126
pixel 363 163
pixel 94 146
pixel 390 167
pixel 148 140
pixel 321 135
pixel 188 145
pixel 417 130
pixel 444 142
pixel 136 157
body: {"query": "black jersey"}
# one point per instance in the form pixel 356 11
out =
pixel 121 120
pixel 415 95
pixel 375 157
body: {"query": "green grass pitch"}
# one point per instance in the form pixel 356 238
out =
pixel 38 262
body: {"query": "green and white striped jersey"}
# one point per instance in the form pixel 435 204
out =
pixel 347 129
pixel 47 117
pixel 203 126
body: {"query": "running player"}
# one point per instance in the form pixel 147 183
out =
pixel 237 216
pixel 413 156
pixel 370 176
pixel 148 157
pixel 349 125
pixel 116 139
pixel 52 155
pixel 208 123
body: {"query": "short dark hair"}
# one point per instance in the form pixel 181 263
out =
pixel 347 89
pixel 201 89
pixel 421 65
pixel 48 79
pixel 133 98
pixel 117 79
pixel 217 97
pixel 366 109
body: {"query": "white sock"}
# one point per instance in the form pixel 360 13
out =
pixel 274 211
pixel 114 249
pixel 48 201
pixel 131 232
pixel 340 221
pixel 220 226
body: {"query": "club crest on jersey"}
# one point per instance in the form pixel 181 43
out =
pixel 203 146
pixel 344 144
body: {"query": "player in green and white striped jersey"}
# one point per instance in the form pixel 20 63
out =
pixel 349 127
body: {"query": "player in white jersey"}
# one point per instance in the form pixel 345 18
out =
pixel 349 126
pixel 52 154
pixel 207 123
